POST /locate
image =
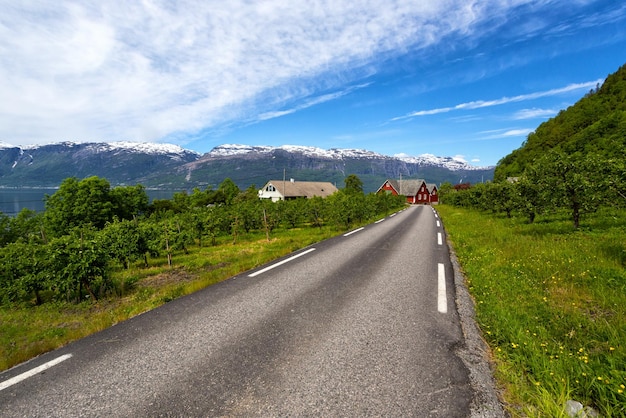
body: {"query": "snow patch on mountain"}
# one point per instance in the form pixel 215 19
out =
pixel 333 153
pixel 140 147
pixel 452 163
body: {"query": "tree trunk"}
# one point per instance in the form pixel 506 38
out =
pixel 576 214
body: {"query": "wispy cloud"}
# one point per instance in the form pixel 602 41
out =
pixel 144 70
pixel 98 70
pixel 308 103
pixel 534 113
pixel 505 133
pixel 478 104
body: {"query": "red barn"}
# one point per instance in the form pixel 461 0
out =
pixel 416 191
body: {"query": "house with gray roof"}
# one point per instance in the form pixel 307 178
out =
pixel 291 189
pixel 417 191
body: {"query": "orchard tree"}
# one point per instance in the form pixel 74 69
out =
pixel 6 233
pixel 78 262
pixel 228 190
pixel 353 184
pixel 125 241
pixel 569 181
pixel 293 211
pixel 613 174
pixel 316 211
pixel 129 201
pixel 445 190
pixel 27 226
pixel 24 272
pixel 532 198
pixel 78 203
pixel 503 197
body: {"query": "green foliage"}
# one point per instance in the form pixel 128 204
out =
pixel 229 190
pixel 129 201
pixel 89 230
pixel 596 124
pixel 23 272
pixel 580 183
pixel 570 181
pixel 353 184
pixel 79 262
pixel 91 202
pixel 85 263
pixel 127 241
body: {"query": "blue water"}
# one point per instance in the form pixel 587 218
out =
pixel 12 201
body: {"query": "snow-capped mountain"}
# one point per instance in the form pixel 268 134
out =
pixel 119 162
pixel 333 153
pixel 173 167
pixel 229 150
pixel 171 150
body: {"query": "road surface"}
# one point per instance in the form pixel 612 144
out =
pixel 364 324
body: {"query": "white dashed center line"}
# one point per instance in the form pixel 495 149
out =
pixel 352 232
pixel 12 381
pixel 442 299
pixel 256 273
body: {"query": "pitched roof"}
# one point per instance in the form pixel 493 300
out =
pixel 406 187
pixel 303 188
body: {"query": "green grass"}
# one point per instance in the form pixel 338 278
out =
pixel 551 302
pixel 27 331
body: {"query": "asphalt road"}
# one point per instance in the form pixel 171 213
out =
pixel 363 324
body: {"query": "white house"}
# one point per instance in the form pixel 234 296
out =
pixel 291 189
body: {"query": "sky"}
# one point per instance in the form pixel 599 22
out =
pixel 468 79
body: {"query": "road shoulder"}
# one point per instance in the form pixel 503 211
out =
pixel 475 353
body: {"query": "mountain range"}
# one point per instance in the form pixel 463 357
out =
pixel 166 166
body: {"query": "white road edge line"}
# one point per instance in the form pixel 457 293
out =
pixel 352 232
pixel 12 381
pixel 442 299
pixel 439 239
pixel 438 224
pixel 379 221
pixel 280 263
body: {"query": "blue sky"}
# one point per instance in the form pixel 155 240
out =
pixel 457 78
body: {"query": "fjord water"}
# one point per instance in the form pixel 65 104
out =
pixel 13 200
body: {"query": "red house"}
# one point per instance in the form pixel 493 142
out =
pixel 416 191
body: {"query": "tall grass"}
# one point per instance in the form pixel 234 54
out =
pixel 551 302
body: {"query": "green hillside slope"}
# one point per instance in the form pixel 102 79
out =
pixel 595 124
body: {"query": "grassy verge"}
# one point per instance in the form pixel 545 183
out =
pixel 551 302
pixel 26 330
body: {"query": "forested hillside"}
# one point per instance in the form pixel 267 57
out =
pixel 596 124
pixel 575 161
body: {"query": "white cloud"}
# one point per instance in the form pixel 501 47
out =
pixel 478 104
pixel 516 132
pixel 100 70
pixel 534 113
pixel 144 70
pixel 308 103
pixel 505 133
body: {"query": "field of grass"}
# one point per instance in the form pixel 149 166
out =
pixel 551 302
pixel 27 330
